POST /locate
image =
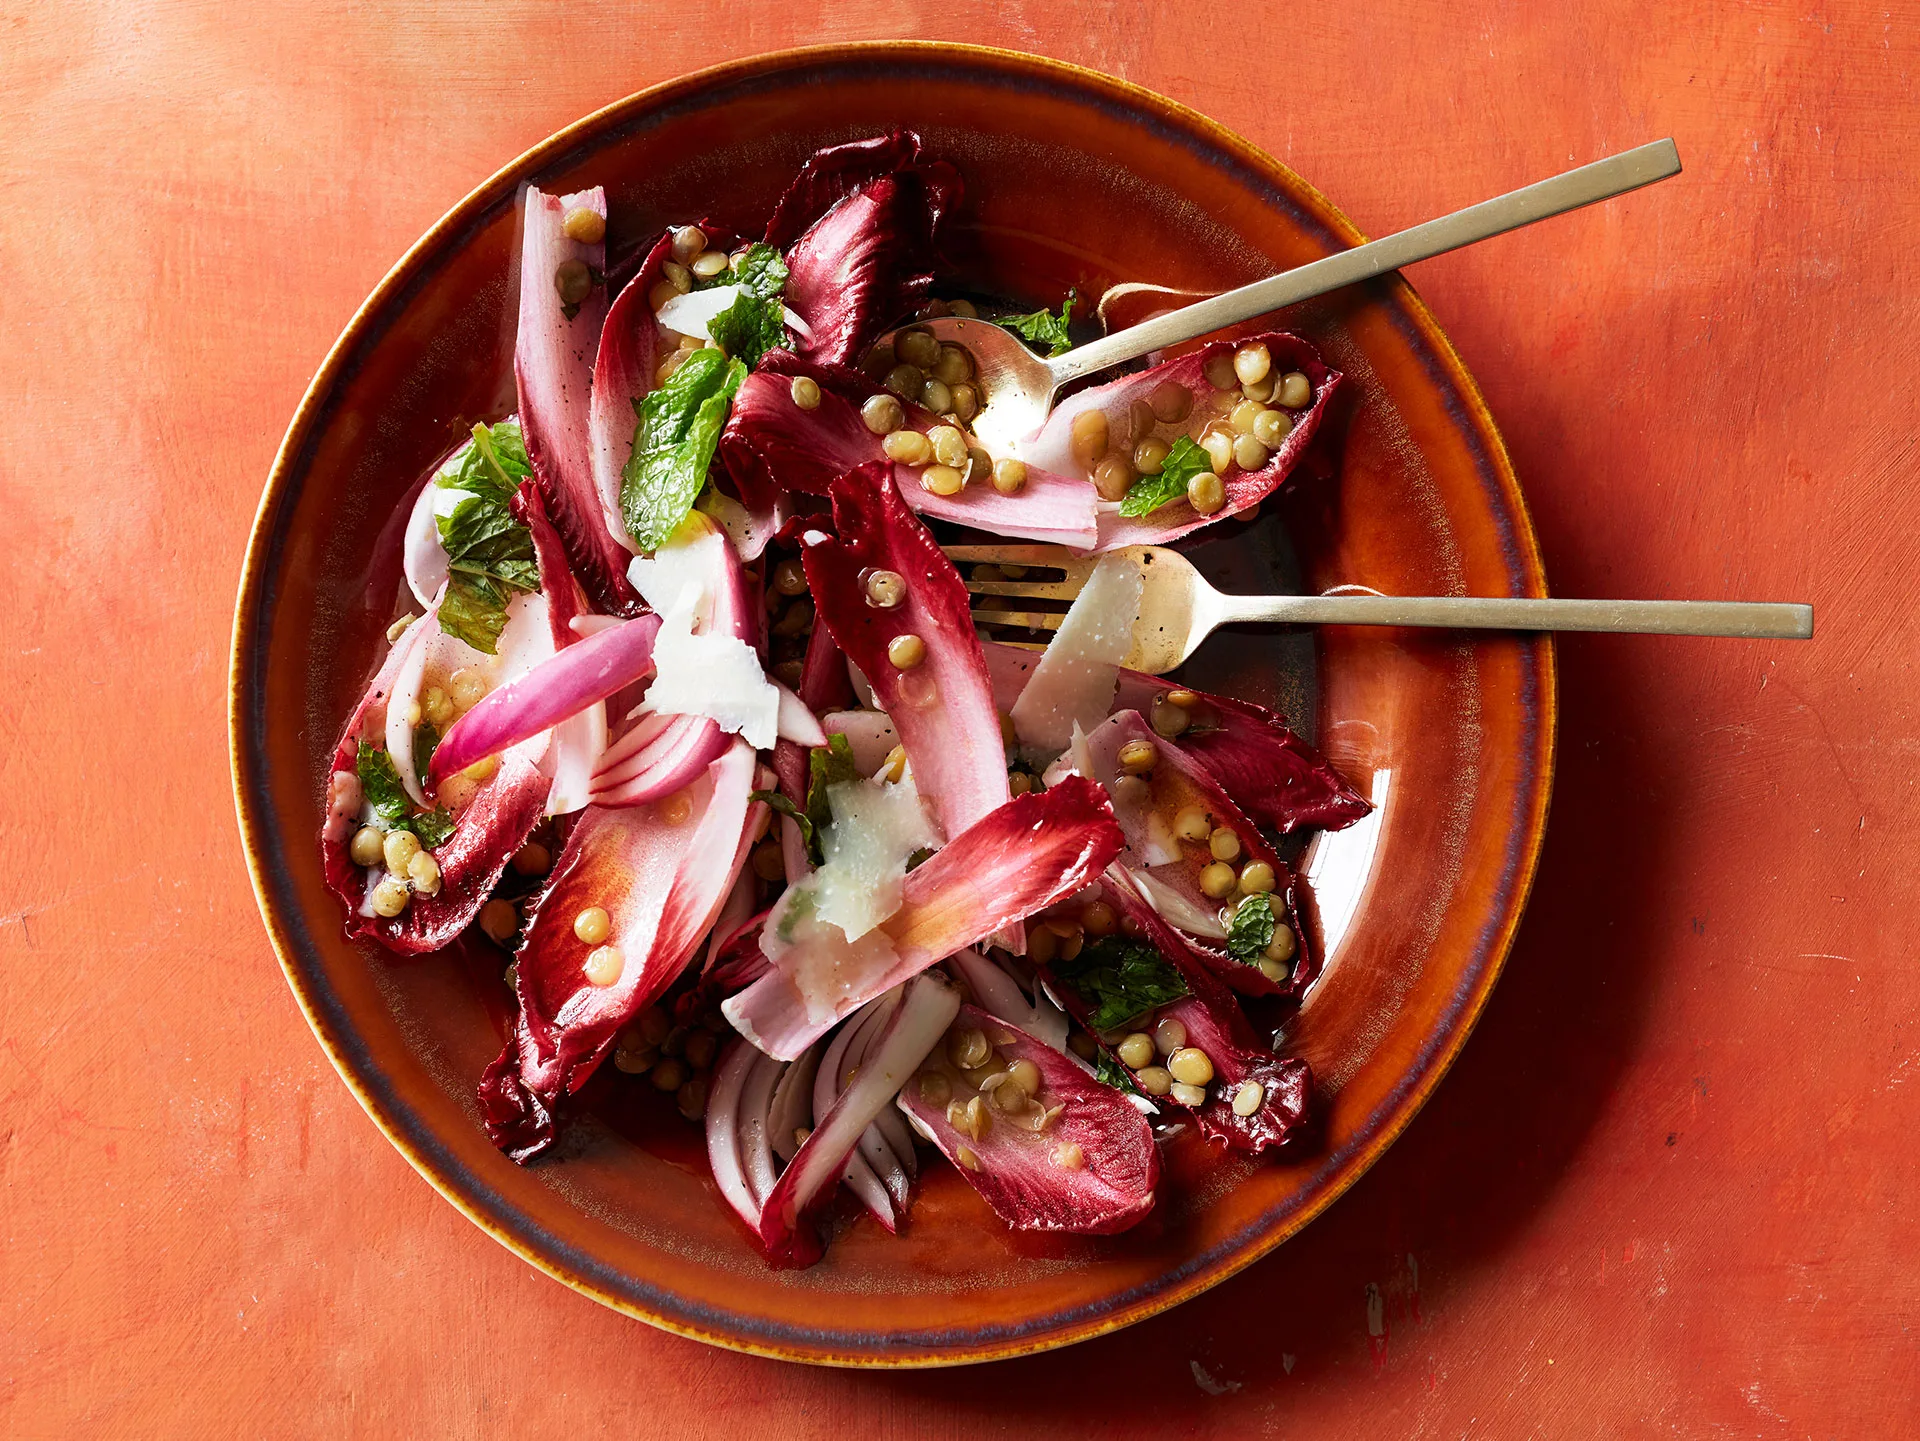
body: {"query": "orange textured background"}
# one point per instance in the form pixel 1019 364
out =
pixel 1671 1186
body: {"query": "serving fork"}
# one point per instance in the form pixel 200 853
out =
pixel 1179 609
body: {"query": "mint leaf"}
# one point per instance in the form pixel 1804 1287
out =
pixel 756 322
pixel 433 827
pixel 1109 1072
pixel 1252 929
pixel 1118 979
pixel 828 765
pixel 492 465
pixel 760 272
pixel 380 784
pixel 1147 494
pixel 749 328
pixel 777 802
pixel 1043 327
pixel 426 740
pixel 674 443
pixel 489 554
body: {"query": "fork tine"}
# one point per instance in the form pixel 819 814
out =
pixel 1057 556
pixel 1028 589
pixel 1019 619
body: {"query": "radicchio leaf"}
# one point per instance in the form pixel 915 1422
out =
pixel 492 825
pixel 1031 852
pixel 1217 1026
pixel 1256 757
pixel 662 884
pixel 771 445
pixel 1052 448
pixel 1251 752
pixel 942 707
pixel 859 225
pixel 1091 1165
pixel 623 371
pixel 922 1016
pixel 553 363
pixel 1176 782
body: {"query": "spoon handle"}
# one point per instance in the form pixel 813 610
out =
pixel 1749 619
pixel 1601 180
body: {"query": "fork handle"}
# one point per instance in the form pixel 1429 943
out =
pixel 1601 180
pixel 1751 619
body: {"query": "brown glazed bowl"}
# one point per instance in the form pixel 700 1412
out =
pixel 1073 179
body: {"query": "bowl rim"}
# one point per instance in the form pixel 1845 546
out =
pixel 254 821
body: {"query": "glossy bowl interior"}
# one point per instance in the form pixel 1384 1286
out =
pixel 1073 179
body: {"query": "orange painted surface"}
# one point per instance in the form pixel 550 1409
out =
pixel 1669 1187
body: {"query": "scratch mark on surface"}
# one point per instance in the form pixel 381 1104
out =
pixel 1376 1327
pixel 1205 1381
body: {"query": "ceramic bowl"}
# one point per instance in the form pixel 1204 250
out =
pixel 1074 179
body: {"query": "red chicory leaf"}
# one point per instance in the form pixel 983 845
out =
pixel 859 227
pixel 1031 852
pixel 1092 1167
pixel 771 445
pixel 661 884
pixel 943 705
pixel 553 362
pixel 1052 448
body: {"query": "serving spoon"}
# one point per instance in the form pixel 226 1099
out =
pixel 1018 387
pixel 1178 609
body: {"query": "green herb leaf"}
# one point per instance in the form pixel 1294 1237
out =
pixel 1252 929
pixel 749 328
pixel 674 443
pixel 489 554
pixel 1043 327
pixel 760 272
pixel 1118 979
pixel 1109 1072
pixel 433 827
pixel 755 323
pixel 426 740
pixel 828 765
pixel 380 784
pixel 1147 494
pixel 775 801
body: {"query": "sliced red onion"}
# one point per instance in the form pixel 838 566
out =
pixel 756 1099
pixel 553 361
pixel 1076 1158
pixel 792 1110
pixel 1032 852
pixel 926 1009
pixel 829 1083
pixel 563 685
pixel 662 885
pixel 998 993
pixel 661 770
pixel 723 1130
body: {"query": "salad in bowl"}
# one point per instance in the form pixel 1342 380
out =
pixel 690 719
